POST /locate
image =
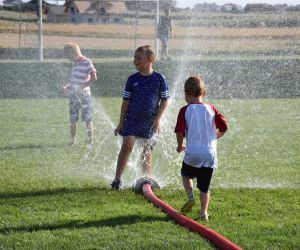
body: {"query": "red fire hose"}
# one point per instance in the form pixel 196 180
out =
pixel 218 240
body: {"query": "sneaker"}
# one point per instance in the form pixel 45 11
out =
pixel 116 184
pixel 187 207
pixel 74 142
pixel 204 217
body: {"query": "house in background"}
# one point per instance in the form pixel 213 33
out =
pixel 233 8
pixel 111 12
pixel 56 14
pixel 281 7
pixel 95 11
pixel 259 7
pixel 11 2
pixel 206 7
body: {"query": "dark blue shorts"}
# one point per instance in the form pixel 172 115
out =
pixel 202 174
pixel 81 103
pixel 138 128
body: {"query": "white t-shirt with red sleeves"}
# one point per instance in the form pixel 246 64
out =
pixel 198 122
pixel 81 73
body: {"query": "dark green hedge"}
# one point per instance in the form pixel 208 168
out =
pixel 224 78
pixel 33 53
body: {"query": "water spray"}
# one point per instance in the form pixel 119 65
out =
pixel 145 185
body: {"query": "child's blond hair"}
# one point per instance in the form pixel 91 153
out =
pixel 194 86
pixel 148 50
pixel 71 49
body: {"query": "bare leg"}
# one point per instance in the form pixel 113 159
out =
pixel 126 149
pixel 204 198
pixel 146 158
pixel 74 132
pixel 163 49
pixel 163 53
pixel 90 129
pixel 188 185
pixel 167 52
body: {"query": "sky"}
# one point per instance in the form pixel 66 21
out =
pixel 191 3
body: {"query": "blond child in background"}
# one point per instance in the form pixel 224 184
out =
pixel 145 99
pixel 201 124
pixel 79 92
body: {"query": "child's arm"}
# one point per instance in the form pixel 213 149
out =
pixel 221 123
pixel 66 89
pixel 92 79
pixel 220 134
pixel 180 146
pixel 162 107
pixel 123 113
pixel 171 30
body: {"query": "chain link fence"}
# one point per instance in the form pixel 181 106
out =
pixel 101 29
pixel 116 30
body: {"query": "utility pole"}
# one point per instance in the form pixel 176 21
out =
pixel 40 30
pixel 20 22
pixel 156 31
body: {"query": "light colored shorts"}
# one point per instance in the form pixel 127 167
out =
pixel 81 103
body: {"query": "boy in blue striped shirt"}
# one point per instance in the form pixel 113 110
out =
pixel 82 77
pixel 145 99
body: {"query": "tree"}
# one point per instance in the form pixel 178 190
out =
pixel 169 4
pixel 150 5
pixel 34 6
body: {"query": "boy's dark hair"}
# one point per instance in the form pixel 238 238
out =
pixel 194 86
pixel 149 51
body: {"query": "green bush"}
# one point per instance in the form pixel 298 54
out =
pixel 273 78
pixel 51 53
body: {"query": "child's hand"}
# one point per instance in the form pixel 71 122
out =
pixel 181 148
pixel 67 89
pixel 156 126
pixel 66 86
pixel 118 129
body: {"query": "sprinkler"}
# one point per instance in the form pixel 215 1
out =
pixel 144 186
pixel 138 185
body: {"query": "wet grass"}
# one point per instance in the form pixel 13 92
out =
pixel 53 196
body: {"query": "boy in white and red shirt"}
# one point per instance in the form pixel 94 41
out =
pixel 201 124
pixel 79 92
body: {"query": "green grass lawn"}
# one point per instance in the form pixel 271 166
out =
pixel 53 196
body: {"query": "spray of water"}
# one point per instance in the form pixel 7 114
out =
pixel 167 165
pixel 101 161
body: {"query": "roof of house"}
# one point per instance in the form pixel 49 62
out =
pixel 117 8
pixel 88 7
pixel 82 6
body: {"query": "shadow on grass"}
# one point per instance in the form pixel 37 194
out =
pixel 47 192
pixel 31 146
pixel 77 224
